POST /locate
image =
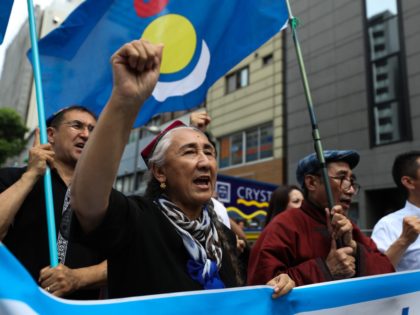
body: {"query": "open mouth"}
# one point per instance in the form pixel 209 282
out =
pixel 202 181
pixel 80 145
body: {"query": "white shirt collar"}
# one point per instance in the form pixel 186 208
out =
pixel 412 208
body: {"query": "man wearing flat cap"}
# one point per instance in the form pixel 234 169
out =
pixel 313 244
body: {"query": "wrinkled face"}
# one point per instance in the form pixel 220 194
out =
pixel 189 170
pixel 340 175
pixel 69 137
pixel 295 199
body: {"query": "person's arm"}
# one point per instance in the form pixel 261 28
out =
pixel 13 197
pixel 267 264
pixel 270 262
pixel 237 229
pixel 135 73
pixel 278 250
pixel 61 280
pixel 409 234
pixel 370 261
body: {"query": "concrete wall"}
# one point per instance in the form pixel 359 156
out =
pixel 16 77
pixel 332 37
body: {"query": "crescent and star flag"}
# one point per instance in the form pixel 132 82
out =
pixel 5 10
pixel 203 40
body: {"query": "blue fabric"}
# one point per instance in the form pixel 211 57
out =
pixel 75 57
pixel 397 293
pixel 5 10
pixel 310 164
pixel 211 280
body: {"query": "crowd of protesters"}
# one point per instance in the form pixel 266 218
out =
pixel 177 236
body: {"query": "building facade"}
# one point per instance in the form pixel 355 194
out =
pixel 362 59
pixel 246 107
pixel 17 77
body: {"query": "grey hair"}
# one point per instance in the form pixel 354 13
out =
pixel 158 155
pixel 158 158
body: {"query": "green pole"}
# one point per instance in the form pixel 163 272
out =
pixel 315 131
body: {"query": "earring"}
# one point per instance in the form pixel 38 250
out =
pixel 162 185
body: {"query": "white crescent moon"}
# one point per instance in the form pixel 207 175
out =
pixel 191 82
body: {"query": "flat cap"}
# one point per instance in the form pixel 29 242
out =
pixel 310 164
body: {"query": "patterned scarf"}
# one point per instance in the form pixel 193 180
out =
pixel 200 239
pixel 64 230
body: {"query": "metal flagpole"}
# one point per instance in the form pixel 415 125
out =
pixel 52 238
pixel 315 131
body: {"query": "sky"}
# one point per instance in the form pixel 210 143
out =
pixel 18 16
pixel 377 6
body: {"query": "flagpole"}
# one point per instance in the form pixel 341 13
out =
pixel 315 131
pixel 52 238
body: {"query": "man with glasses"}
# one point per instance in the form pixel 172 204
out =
pixel 313 244
pixel 23 224
pixel 397 233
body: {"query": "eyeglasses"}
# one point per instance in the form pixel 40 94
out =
pixel 346 183
pixel 79 126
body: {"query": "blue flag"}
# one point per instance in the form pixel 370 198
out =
pixel 5 10
pixel 391 294
pixel 203 40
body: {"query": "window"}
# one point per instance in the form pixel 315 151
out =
pixel 266 142
pixel 267 60
pixel 133 135
pixel 124 183
pixel 139 182
pixel 388 95
pixel 236 149
pixel 119 183
pixel 252 145
pixel 246 146
pixel 237 80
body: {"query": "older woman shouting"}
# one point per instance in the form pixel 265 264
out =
pixel 169 240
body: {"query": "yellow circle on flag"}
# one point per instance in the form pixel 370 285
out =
pixel 179 37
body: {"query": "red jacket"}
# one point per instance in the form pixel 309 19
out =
pixel 297 242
